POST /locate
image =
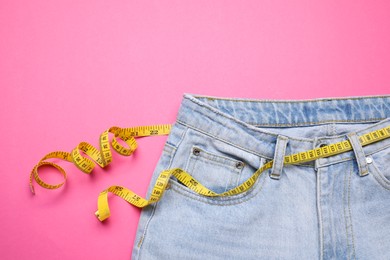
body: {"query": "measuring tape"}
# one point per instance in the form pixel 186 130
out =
pixel 103 211
pixel 103 157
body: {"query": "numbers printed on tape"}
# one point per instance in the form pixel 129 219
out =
pixel 103 157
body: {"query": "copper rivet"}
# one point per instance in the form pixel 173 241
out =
pixel 196 151
pixel 239 165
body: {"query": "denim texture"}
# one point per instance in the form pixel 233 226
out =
pixel 331 208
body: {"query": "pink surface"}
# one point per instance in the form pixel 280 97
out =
pixel 71 69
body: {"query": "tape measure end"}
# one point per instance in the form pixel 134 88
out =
pixel 98 216
pixel 32 189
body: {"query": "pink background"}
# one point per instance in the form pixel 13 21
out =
pixel 71 69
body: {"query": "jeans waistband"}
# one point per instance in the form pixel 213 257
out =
pixel 250 124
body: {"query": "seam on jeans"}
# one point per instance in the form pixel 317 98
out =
pixel 381 180
pixel 210 157
pixel 146 227
pixel 335 162
pixel 170 154
pixel 191 166
pixel 188 164
pixel 295 138
pixel 229 168
pixel 230 202
pixel 311 165
pixel 142 239
pixel 183 134
pixel 320 214
pixel 235 120
pixel 345 203
pixel 350 213
pixel 291 101
pixel 155 205
pixel 306 123
pixel 380 149
pixel 214 162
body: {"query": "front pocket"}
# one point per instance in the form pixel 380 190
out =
pixel 216 164
pixel 380 166
pixel 217 173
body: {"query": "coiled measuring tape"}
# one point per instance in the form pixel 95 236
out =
pixel 104 157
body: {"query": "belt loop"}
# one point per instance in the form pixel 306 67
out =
pixel 359 154
pixel 280 150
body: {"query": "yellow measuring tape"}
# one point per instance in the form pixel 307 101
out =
pixel 103 157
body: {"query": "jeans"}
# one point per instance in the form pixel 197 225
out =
pixel 330 208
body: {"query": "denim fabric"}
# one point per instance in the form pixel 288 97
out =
pixel 331 208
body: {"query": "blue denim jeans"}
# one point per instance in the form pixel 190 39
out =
pixel 331 208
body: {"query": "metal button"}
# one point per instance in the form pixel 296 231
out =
pixel 240 165
pixel 196 151
pixel 368 159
